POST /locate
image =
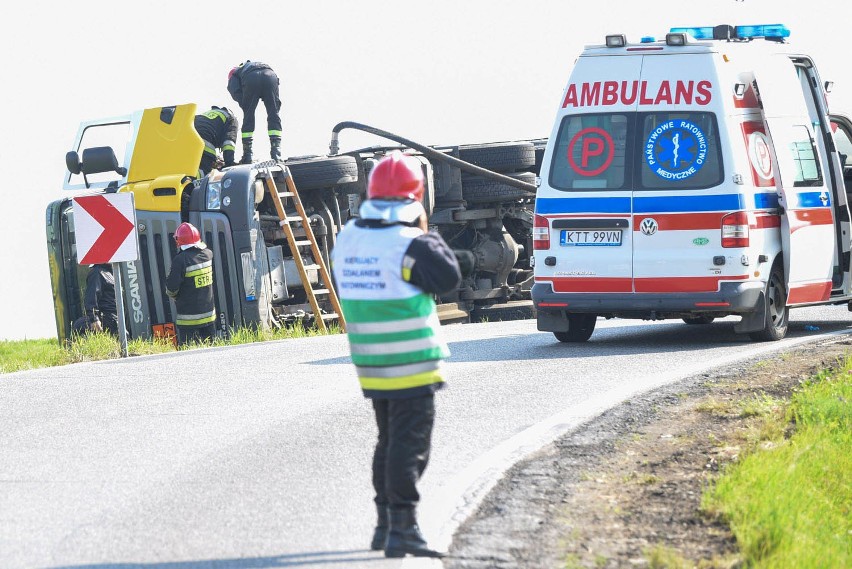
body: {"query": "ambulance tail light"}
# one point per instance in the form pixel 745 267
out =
pixel 735 230
pixel 541 233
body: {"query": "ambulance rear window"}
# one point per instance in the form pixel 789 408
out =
pixel 658 150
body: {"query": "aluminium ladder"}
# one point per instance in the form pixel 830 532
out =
pixel 296 246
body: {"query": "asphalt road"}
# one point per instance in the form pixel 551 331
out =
pixel 258 456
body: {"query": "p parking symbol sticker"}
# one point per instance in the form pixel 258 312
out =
pixel 590 151
pixel 676 150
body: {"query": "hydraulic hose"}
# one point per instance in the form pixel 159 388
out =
pixel 334 148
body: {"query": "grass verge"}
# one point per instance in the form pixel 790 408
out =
pixel 32 354
pixel 789 501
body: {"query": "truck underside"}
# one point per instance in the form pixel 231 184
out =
pixel 480 199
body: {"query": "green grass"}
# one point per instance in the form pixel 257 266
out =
pixel 789 502
pixel 32 354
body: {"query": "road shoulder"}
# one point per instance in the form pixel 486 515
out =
pixel 626 487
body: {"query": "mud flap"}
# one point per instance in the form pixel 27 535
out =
pixel 552 321
pixel 753 321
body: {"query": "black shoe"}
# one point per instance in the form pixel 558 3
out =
pixel 404 537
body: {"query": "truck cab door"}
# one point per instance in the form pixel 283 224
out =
pixel 808 223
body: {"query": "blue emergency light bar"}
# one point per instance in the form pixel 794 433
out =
pixel 778 31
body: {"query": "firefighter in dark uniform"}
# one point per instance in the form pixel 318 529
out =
pixel 190 284
pixel 387 266
pixel 249 83
pixel 218 129
pixel 99 302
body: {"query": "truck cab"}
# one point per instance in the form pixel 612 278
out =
pixel 694 177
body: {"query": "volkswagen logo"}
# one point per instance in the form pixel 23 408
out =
pixel 648 226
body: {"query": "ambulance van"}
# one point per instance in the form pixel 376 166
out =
pixel 695 177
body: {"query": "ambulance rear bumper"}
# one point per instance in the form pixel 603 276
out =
pixel 732 298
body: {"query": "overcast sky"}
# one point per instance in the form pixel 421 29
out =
pixel 438 72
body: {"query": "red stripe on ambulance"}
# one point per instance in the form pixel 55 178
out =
pixel 638 92
pixel 802 218
pixel 589 284
pixel 681 221
pixel 814 292
pixel 683 284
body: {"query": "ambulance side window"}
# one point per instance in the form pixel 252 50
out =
pixel 591 153
pixel 679 150
pixel 806 170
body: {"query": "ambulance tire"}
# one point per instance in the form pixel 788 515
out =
pixel 700 319
pixel 318 173
pixel 477 190
pixel 777 312
pixel 500 156
pixel 580 328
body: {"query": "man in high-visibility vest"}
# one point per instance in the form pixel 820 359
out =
pixel 249 83
pixel 218 129
pixel 387 266
pixel 190 284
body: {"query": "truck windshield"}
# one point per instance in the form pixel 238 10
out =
pixel 641 151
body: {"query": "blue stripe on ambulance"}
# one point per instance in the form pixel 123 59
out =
pixel 766 201
pixel 686 204
pixel 814 199
pixel 582 205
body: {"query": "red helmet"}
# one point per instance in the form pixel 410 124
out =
pixel 231 73
pixel 396 176
pixel 187 234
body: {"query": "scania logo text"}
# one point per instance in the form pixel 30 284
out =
pixel 648 226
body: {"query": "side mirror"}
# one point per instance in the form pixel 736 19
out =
pixel 100 159
pixel 72 162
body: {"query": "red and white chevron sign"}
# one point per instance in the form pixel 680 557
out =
pixel 104 227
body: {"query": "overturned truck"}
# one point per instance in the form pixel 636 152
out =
pixel 479 197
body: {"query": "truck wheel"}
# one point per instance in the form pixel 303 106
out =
pixel 777 312
pixel 476 190
pixel 500 156
pixel 316 173
pixel 580 328
pixel 700 319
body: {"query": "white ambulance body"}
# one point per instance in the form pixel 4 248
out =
pixel 694 179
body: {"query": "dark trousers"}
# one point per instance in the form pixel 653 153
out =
pixel 260 85
pixel 187 334
pixel 402 451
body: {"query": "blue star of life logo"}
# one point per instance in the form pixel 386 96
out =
pixel 676 149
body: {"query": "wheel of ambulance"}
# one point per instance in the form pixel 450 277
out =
pixel 317 173
pixel 580 328
pixel 499 156
pixel 700 319
pixel 777 312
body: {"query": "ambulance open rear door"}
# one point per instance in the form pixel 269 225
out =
pixel 807 220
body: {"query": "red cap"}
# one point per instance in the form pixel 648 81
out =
pixel 396 176
pixel 187 234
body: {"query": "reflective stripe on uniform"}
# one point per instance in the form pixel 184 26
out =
pixel 403 382
pixel 394 347
pixel 398 371
pixel 209 148
pixel 247 134
pixel 274 133
pixel 192 268
pixel 195 319
pixel 395 326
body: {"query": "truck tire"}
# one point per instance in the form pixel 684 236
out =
pixel 317 173
pixel 699 319
pixel 580 328
pixel 500 156
pixel 777 312
pixel 476 190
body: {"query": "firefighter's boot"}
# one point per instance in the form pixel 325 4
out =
pixel 275 147
pixel 404 537
pixel 247 143
pixel 380 535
